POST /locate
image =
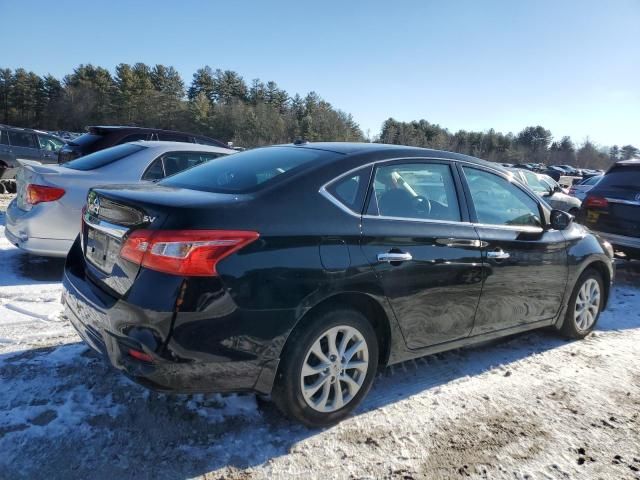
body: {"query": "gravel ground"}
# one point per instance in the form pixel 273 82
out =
pixel 530 406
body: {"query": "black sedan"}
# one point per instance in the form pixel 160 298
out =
pixel 299 270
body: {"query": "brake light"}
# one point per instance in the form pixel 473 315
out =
pixel 142 356
pixel 596 202
pixel 184 252
pixel 41 193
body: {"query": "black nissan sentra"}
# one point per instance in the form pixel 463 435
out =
pixel 300 270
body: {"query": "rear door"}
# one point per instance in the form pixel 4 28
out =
pixel 425 253
pixel 526 265
pixel 24 145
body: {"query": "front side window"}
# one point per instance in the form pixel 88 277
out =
pixel 176 162
pixel 424 191
pixel 22 139
pixel 50 144
pixel 172 137
pixel 500 202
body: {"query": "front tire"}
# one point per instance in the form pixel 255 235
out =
pixel 327 368
pixel 584 306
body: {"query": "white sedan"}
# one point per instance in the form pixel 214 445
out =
pixel 44 218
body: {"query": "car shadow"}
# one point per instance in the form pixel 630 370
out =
pixel 68 414
pixel 19 268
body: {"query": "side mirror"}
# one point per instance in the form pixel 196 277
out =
pixel 560 220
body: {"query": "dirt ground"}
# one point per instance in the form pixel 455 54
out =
pixel 533 406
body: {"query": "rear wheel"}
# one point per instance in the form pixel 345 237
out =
pixel 584 305
pixel 327 368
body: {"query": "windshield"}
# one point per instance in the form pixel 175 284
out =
pixel 103 157
pixel 248 171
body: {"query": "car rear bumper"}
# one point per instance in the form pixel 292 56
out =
pixel 112 327
pixel 19 227
pixel 620 240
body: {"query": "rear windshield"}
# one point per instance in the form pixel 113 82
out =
pixel 84 140
pixel 248 171
pixel 103 157
pixel 624 178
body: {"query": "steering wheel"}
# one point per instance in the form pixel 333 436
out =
pixel 422 205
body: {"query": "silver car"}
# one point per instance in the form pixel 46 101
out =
pixel 44 218
pixel 552 193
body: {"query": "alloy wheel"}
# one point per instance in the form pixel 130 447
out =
pixel 587 304
pixel 334 369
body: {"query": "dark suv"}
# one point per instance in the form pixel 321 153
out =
pixel 26 144
pixel 98 138
pixel 612 207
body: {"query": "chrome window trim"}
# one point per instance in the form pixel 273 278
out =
pixel 103 226
pixel 509 176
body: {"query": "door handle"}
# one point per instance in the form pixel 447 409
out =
pixel 498 254
pixel 394 257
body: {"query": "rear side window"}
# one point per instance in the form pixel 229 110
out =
pixel 249 171
pixel 22 139
pixel 351 190
pixel 624 178
pixel 535 183
pixel 103 157
pixel 3 138
pixel 416 191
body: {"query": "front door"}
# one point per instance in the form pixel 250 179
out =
pixel 526 265
pixel 427 259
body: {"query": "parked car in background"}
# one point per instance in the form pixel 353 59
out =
pixel 300 270
pixel 44 218
pixel 552 195
pixel 26 144
pixel 553 184
pixel 612 207
pixel 98 138
pixel 580 189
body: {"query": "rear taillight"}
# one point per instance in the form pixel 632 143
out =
pixel 184 252
pixel 593 201
pixel 41 193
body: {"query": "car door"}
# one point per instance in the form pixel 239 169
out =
pixel 6 155
pixel 425 253
pixel 526 264
pixel 24 145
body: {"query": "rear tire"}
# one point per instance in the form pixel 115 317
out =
pixel 584 305
pixel 327 368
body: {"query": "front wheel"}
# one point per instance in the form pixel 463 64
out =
pixel 584 305
pixel 327 368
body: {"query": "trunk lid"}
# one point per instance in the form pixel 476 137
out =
pixel 114 212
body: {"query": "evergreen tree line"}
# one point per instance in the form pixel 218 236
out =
pixel 222 105
pixel 217 103
pixel 531 145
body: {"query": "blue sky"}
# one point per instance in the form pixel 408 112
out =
pixel 571 66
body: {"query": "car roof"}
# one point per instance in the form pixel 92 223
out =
pixel 353 148
pixel 182 146
pixel 634 162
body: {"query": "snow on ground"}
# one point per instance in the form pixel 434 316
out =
pixel 531 406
